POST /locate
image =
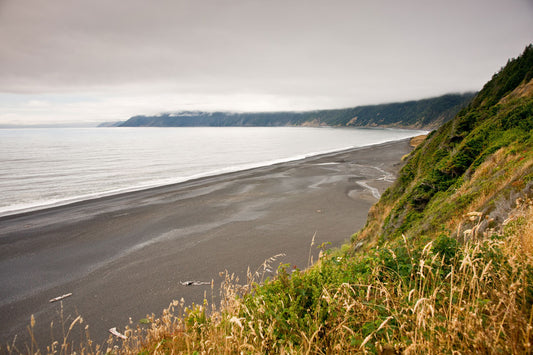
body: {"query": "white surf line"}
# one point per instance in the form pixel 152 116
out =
pixel 330 163
pixel 372 190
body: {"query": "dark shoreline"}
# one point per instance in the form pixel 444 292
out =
pixel 125 255
pixel 59 206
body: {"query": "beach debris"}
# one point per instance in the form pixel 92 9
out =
pixel 194 283
pixel 59 298
pixel 117 334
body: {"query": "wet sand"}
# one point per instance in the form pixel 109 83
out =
pixel 125 256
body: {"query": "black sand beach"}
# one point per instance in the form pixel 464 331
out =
pixel 124 256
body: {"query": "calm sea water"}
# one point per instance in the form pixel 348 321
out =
pixel 47 167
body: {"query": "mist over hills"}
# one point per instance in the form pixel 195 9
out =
pixel 420 114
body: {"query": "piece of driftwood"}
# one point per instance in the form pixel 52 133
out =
pixel 116 333
pixel 59 298
pixel 194 283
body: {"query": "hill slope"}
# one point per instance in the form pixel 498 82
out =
pixel 480 161
pixel 423 114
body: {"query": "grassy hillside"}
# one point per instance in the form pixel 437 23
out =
pixel 444 264
pixel 424 114
pixel 480 161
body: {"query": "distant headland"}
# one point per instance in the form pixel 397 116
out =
pixel 420 114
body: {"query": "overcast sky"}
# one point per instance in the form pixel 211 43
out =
pixel 102 60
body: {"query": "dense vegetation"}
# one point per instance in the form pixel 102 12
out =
pixel 444 264
pixel 478 161
pixel 427 114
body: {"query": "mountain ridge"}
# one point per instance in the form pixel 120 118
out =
pixel 416 114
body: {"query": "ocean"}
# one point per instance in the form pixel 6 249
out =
pixel 48 167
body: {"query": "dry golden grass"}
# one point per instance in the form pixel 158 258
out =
pixel 414 142
pixel 417 140
pixel 527 235
pixel 523 90
pixel 500 171
pixel 376 216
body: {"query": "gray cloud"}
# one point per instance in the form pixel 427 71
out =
pixel 272 54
